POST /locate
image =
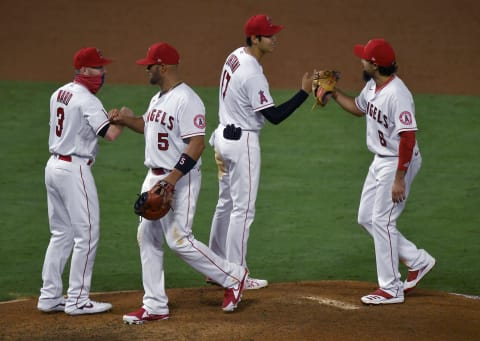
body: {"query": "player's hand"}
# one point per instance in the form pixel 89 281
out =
pixel 113 115
pixel 307 83
pixel 398 189
pixel 125 111
pixel 116 116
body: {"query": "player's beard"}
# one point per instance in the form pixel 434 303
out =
pixel 155 78
pixel 366 76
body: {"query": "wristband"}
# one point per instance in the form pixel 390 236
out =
pixel 185 163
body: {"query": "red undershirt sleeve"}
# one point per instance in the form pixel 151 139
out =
pixel 405 149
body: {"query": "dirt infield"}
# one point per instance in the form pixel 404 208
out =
pixel 326 310
pixel 435 53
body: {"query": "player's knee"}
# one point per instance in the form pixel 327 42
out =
pixel 365 223
pixel 364 220
pixel 224 206
pixel 178 243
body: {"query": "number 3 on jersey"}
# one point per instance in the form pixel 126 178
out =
pixel 60 118
pixel 225 80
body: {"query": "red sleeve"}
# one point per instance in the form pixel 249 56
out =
pixel 405 149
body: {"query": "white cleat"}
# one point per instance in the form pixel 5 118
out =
pixel 56 308
pixel 255 283
pixel 91 307
pixel 141 315
pixel 381 297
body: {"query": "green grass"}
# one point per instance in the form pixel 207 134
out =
pixel 313 167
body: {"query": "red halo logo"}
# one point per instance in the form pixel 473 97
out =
pixel 200 121
pixel 406 118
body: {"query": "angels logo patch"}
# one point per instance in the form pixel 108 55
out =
pixel 406 118
pixel 263 98
pixel 200 121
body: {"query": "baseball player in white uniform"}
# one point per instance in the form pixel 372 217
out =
pixel 174 129
pixel 77 118
pixel 244 103
pixel 389 109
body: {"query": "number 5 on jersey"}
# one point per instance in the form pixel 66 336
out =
pixel 162 141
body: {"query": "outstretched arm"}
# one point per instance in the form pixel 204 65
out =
pixel 276 115
pixel 113 132
pixel 125 117
pixel 347 103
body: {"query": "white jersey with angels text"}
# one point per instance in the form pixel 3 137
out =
pixel 171 118
pixel 76 118
pixel 389 111
pixel 244 91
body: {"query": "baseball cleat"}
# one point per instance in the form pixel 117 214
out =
pixel 381 297
pixel 56 308
pixel 91 307
pixel 234 295
pixel 414 276
pixel 255 283
pixel 141 315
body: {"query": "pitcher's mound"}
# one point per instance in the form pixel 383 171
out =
pixel 324 310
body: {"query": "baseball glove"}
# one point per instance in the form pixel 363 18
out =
pixel 323 85
pixel 155 203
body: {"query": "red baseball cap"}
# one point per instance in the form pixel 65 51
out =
pixel 89 57
pixel 160 53
pixel 261 25
pixel 377 51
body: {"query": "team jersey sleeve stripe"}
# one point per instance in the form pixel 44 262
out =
pixel 100 127
pixel 406 129
pixel 264 107
pixel 186 136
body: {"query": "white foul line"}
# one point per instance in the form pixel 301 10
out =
pixel 16 301
pixel 466 296
pixel 332 302
pixel 91 294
